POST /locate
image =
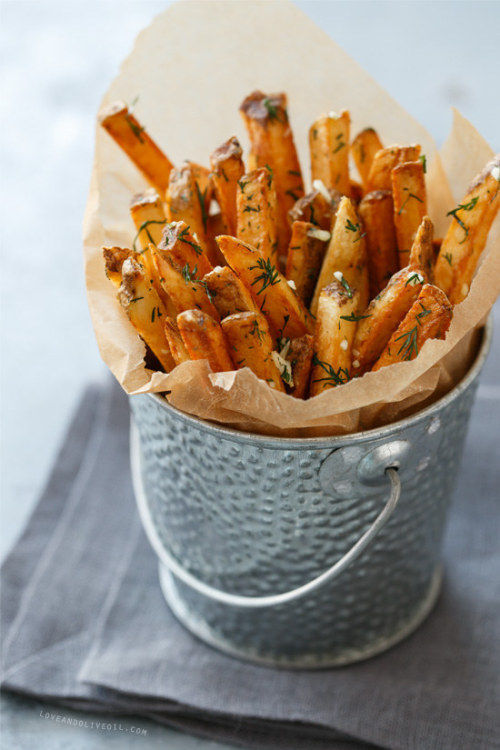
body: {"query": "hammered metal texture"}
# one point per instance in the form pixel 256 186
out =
pixel 261 517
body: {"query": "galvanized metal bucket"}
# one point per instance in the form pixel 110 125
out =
pixel 299 552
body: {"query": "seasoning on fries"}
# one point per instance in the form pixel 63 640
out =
pixel 238 266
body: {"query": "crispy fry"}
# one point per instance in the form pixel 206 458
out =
pixel 422 250
pixel 114 257
pixel 383 315
pixel 384 161
pixel 329 139
pixel 186 202
pixel 182 283
pixel 305 254
pixel 338 313
pixel 126 130
pixel 376 212
pixel 468 232
pixel 177 347
pixel 346 254
pixel 318 207
pixel 363 149
pixel 272 145
pixel 227 169
pixel 228 293
pixel 410 205
pixel 300 356
pixel 179 241
pixel 256 213
pixel 203 339
pixel 251 345
pixel 428 318
pixel 145 311
pixel 146 210
pixel 284 310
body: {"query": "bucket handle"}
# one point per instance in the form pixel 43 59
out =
pixel 253 602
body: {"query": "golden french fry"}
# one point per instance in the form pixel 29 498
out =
pixel 251 345
pixel 422 250
pixel 468 232
pixel 182 283
pixel 229 294
pixel 384 161
pixel 338 313
pixel 227 169
pixel 376 212
pixel 363 150
pixel 119 121
pixel 186 202
pixel 184 248
pixel 428 318
pixel 410 205
pixel 305 254
pixel 329 138
pixel 256 213
pixel 285 312
pixel 345 255
pixel 146 210
pixel 318 207
pixel 383 315
pixel 272 145
pixel 300 356
pixel 175 342
pixel 114 257
pixel 203 339
pixel 145 310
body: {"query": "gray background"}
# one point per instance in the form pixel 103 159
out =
pixel 57 61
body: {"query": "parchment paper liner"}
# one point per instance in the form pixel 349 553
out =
pixel 191 68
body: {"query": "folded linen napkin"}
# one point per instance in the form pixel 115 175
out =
pixel 85 623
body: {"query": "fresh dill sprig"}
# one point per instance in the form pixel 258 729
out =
pixel 269 275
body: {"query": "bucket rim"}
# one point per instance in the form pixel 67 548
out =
pixel 333 441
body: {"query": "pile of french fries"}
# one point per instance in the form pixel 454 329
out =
pixel 238 265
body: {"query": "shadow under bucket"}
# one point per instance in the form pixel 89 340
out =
pixel 301 553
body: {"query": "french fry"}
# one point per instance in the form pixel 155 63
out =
pixel 383 315
pixel 205 181
pixel 145 311
pixel 338 313
pixel 376 212
pixel 422 250
pixel 177 347
pixel 346 254
pixel 300 356
pixel 229 294
pixel 285 312
pixel 466 237
pixel 146 210
pixel 203 339
pixel 384 161
pixel 256 213
pixel 119 121
pixel 305 254
pixel 363 149
pixel 114 258
pixel 227 169
pixel 251 345
pixel 318 207
pixel 428 318
pixel 410 204
pixel 357 192
pixel 329 148
pixel 272 145
pixel 184 248
pixel 182 283
pixel 186 202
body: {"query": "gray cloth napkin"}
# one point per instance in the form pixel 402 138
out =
pixel 85 623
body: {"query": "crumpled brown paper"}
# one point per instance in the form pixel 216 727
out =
pixel 191 69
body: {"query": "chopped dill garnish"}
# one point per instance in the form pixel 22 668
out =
pixel 463 207
pixel 335 377
pixel 269 275
pixel 144 227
